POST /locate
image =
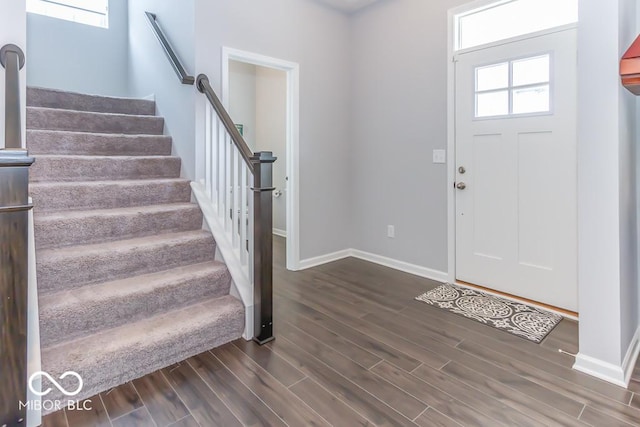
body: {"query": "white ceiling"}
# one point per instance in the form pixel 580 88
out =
pixel 348 5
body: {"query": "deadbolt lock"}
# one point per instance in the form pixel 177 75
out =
pixel 462 170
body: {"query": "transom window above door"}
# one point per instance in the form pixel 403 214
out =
pixel 511 88
pixel 505 19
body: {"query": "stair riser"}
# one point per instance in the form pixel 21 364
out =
pixel 39 97
pixel 51 119
pixel 65 231
pixel 108 196
pixel 57 273
pixel 65 324
pixel 89 144
pixel 123 365
pixel 70 168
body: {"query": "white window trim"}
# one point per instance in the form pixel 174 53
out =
pixel 511 87
pixel 39 7
pixel 479 5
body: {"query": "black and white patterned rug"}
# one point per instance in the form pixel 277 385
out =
pixel 519 319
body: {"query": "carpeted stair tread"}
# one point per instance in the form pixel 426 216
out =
pixel 60 196
pixel 70 120
pixel 70 314
pixel 57 229
pixel 74 266
pixel 115 356
pixel 103 168
pixel 96 144
pixel 53 98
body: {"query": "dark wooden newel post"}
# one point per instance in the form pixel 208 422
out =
pixel 14 254
pixel 263 246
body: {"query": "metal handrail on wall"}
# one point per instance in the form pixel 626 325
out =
pixel 232 172
pixel 185 78
pixel 14 242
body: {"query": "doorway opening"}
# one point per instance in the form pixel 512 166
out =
pixel 261 94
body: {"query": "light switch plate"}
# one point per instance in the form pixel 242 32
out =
pixel 440 156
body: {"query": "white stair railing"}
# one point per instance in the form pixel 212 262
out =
pixel 235 197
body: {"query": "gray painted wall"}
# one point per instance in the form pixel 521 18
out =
pixel 628 191
pixel 607 207
pixel 150 73
pixel 242 99
pixel 399 113
pixel 77 57
pixel 316 37
pixel 258 101
pixel 271 132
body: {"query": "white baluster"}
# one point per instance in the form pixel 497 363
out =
pixel 244 206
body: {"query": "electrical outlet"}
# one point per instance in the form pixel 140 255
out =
pixel 391 231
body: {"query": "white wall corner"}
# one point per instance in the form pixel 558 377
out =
pixel 324 259
pixel 428 273
pixel 618 375
pixel 417 270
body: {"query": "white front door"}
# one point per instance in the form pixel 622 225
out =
pixel 516 228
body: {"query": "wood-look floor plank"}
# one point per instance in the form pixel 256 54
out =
pixel 376 411
pixel 333 409
pixel 382 389
pixel 424 314
pixel 205 406
pixel 138 418
pixel 401 344
pixel 510 396
pixel 367 290
pixel 284 403
pixel 566 381
pixel 96 417
pixel 161 400
pixel 635 401
pixel 337 343
pixel 598 419
pixel 441 335
pixel 533 389
pixel 121 400
pixel 434 397
pixel 56 419
pixel 279 368
pixel 188 421
pixel 379 348
pixel 249 409
pixel 497 409
pixel 433 418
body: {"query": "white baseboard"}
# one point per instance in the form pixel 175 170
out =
pixel 323 259
pixel 417 270
pixel 618 375
pixel 281 233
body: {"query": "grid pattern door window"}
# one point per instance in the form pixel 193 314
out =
pixel 513 88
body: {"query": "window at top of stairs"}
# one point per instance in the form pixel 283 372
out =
pixel 89 12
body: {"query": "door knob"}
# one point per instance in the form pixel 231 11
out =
pixel 461 186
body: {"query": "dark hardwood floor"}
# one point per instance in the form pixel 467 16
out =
pixel 353 348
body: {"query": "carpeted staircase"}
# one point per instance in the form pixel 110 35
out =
pixel 127 278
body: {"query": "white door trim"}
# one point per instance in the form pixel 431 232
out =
pixel 451 108
pixel 293 116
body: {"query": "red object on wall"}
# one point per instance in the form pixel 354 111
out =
pixel 630 68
